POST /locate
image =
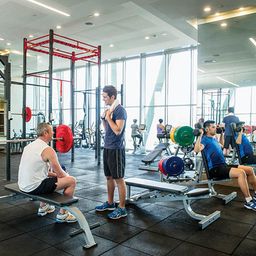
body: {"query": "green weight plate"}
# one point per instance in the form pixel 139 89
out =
pixel 184 136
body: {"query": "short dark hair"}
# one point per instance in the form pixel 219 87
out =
pixel 208 123
pixel 135 120
pixel 110 90
pixel 231 110
pixel 160 120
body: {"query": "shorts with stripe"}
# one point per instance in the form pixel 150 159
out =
pixel 114 162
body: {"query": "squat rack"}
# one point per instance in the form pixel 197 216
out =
pixel 59 46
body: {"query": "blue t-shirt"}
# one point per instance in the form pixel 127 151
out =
pixel 213 152
pixel 227 120
pixel 245 147
pixel 111 140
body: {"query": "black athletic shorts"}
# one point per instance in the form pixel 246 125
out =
pixel 228 140
pixel 114 162
pixel 221 171
pixel 249 159
pixel 47 186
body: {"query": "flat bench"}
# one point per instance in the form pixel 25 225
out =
pixel 172 192
pixel 62 201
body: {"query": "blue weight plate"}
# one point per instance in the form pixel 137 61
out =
pixel 173 166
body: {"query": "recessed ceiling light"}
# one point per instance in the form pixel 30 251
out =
pixel 111 45
pixel 88 23
pixel 207 9
pixel 223 24
pixel 226 81
pixel 96 14
pixel 58 26
pixel 241 8
pixel 49 7
pixel 1 39
pixel 217 14
pixel 147 37
pixel 164 34
pixel 31 36
pixel 8 43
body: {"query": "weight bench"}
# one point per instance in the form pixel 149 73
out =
pixel 160 191
pixel 58 200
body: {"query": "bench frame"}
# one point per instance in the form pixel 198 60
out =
pixel 160 194
pixel 58 200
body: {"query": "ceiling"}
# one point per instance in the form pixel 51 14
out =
pixel 125 24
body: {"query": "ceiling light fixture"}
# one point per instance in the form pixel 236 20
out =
pixel 223 24
pixel 207 9
pixel 241 8
pixel 49 8
pixel 200 70
pixel 96 14
pixel 253 41
pixel 1 39
pixel 164 34
pixel 111 45
pixel 88 23
pixel 226 81
pixel 147 37
pixel 8 44
pixel 58 26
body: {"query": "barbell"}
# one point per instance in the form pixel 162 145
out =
pixel 64 139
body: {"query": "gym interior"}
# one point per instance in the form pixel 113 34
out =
pixel 174 64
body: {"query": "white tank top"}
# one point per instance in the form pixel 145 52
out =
pixel 33 169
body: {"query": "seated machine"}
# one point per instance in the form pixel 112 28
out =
pixel 58 200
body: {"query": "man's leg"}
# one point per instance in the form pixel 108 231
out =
pixel 242 180
pixel 110 189
pixel 121 191
pixel 67 183
pixel 250 175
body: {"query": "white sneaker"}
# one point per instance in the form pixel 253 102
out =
pixel 42 211
pixel 66 217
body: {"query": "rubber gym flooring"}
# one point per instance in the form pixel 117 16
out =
pixel 149 229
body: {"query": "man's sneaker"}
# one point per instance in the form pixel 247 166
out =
pixel 105 207
pixel 66 217
pixel 254 197
pixel 42 211
pixel 118 213
pixel 250 205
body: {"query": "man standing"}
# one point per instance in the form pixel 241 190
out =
pixel 114 121
pixel 227 120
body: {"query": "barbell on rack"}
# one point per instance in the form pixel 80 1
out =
pixel 64 139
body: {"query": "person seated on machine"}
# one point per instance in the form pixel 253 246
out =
pixel 218 168
pixel 41 173
pixel 245 147
pixel 136 133
pixel 160 130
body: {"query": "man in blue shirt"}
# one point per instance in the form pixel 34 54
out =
pixel 245 149
pixel 227 120
pixel 114 121
pixel 218 167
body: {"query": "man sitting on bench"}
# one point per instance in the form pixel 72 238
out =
pixel 218 168
pixel 41 173
pixel 244 145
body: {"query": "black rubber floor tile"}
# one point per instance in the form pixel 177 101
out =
pixel 21 245
pixel 7 231
pixel 116 231
pixel 252 234
pixel 194 250
pixel 31 222
pixel 74 246
pixel 246 248
pixel 55 233
pixel 86 205
pixel 122 250
pixel 52 252
pixel 162 212
pixel 171 204
pixel 13 213
pixel 216 240
pixel 230 227
pixel 183 217
pixel 152 243
pixel 5 206
pixel 174 229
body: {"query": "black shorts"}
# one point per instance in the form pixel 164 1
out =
pixel 228 140
pixel 221 171
pixel 47 186
pixel 114 162
pixel 249 159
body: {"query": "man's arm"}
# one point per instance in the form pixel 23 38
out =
pixel 117 126
pixel 50 155
pixel 221 140
pixel 239 138
pixel 198 146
